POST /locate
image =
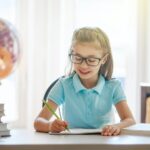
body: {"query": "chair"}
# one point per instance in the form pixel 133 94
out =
pixel 147 115
pixel 49 88
pixel 145 94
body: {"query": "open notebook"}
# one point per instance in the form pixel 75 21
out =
pixel 137 129
pixel 78 131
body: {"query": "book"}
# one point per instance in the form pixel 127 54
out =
pixel 137 129
pixel 1 111
pixel 5 133
pixel 1 106
pixel 78 131
pixel 1 114
pixel 3 126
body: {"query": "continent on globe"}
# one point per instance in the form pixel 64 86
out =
pixel 6 64
pixel 9 48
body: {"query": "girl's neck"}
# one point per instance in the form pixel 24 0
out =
pixel 89 83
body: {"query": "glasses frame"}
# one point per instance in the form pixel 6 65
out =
pixel 84 59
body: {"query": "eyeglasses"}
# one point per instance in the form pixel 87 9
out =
pixel 90 61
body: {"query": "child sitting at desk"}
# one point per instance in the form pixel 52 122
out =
pixel 88 93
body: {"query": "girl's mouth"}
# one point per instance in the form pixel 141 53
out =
pixel 84 72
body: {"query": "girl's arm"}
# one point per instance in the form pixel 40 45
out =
pixel 125 114
pixel 126 120
pixel 42 123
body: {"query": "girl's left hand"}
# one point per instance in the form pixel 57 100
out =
pixel 110 130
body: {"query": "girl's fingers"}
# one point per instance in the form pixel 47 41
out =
pixel 58 125
pixel 61 122
pixel 117 132
pixel 110 130
pixel 58 128
pixel 106 129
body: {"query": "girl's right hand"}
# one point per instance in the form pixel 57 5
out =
pixel 57 126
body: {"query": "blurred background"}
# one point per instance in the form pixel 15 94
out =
pixel 45 29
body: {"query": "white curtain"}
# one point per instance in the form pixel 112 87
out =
pixel 45 27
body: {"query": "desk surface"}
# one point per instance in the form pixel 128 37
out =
pixel 25 139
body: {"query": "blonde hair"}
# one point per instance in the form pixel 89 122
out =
pixel 99 39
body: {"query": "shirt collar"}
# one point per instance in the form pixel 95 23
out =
pixel 79 87
pixel 77 84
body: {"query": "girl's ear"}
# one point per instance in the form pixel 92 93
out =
pixel 104 59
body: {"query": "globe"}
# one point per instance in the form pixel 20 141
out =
pixel 9 48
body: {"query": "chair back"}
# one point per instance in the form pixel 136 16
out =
pixel 49 89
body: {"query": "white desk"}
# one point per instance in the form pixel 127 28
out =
pixel 25 139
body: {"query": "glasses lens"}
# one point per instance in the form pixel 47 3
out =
pixel 76 59
pixel 92 61
pixel 89 61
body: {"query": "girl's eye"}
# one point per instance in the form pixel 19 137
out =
pixel 77 58
pixel 92 59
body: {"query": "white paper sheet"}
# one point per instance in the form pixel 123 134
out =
pixel 78 131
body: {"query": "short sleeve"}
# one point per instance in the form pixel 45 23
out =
pixel 118 94
pixel 56 94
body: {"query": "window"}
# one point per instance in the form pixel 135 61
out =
pixel 118 19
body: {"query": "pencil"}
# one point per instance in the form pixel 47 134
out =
pixel 53 112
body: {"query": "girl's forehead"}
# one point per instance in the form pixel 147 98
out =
pixel 87 49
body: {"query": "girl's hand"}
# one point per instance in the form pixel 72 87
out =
pixel 110 130
pixel 57 126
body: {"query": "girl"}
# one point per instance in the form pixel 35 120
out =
pixel 88 93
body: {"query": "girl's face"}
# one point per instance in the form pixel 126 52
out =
pixel 94 57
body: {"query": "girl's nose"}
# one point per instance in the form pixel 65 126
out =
pixel 84 64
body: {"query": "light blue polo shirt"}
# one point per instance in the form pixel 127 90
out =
pixel 86 108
